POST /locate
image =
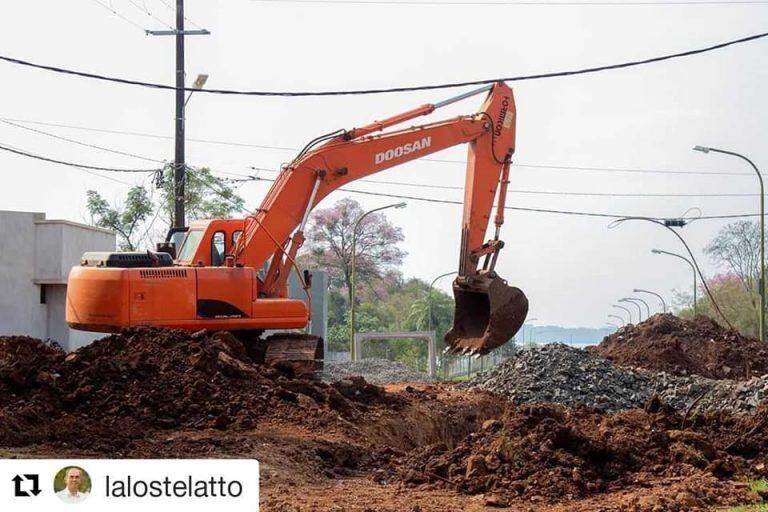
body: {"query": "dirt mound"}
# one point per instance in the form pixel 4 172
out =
pixel 547 452
pixel 122 386
pixel 700 346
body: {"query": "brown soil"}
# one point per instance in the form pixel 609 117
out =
pixel 549 453
pixel 121 387
pixel 700 346
pixel 353 446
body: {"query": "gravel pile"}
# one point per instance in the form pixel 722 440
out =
pixel 569 376
pixel 373 370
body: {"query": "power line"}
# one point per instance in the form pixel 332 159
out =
pixel 518 3
pixel 148 13
pixel 80 143
pixel 582 71
pixel 113 11
pixel 173 10
pixel 519 208
pixel 437 160
pixel 247 177
pixel 70 164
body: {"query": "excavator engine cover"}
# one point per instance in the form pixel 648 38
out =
pixel 488 313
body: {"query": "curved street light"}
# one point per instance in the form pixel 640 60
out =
pixel 613 325
pixel 629 313
pixel 639 309
pixel 647 307
pixel 663 304
pixel 353 277
pixel 761 284
pixel 429 296
pixel 693 267
pixel 617 317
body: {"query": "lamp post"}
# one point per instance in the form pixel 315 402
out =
pixel 693 267
pixel 647 307
pixel 429 297
pixel 353 355
pixel 761 284
pixel 629 313
pixel 639 309
pixel 613 325
pixel 663 304
pixel 617 317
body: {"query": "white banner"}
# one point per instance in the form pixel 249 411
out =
pixel 135 485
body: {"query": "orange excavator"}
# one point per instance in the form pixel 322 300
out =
pixel 216 281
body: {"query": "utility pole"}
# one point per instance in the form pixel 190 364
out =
pixel 179 163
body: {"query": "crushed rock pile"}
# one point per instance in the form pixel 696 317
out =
pixel 549 453
pixel 373 370
pixel 556 373
pixel 122 386
pixel 674 345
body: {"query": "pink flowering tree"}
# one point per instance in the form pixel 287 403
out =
pixel 329 247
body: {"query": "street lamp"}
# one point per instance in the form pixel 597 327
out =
pixel 352 280
pixel 693 267
pixel 639 309
pixel 647 308
pixel 629 313
pixel 663 304
pixel 761 285
pixel 617 317
pixel 199 83
pixel 429 296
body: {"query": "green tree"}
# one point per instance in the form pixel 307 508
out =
pixel 205 196
pixel 734 301
pixel 133 219
pixel 124 218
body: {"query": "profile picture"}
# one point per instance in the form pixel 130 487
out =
pixel 72 484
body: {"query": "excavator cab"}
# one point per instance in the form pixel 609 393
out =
pixel 488 313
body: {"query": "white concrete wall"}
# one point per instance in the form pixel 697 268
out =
pixel 20 308
pixel 36 252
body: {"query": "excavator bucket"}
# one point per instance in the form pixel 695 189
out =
pixel 488 313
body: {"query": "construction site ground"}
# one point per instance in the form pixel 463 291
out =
pixel 353 446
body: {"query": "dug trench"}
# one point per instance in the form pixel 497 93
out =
pixel 353 446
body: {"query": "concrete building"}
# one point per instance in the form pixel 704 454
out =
pixel 319 293
pixel 36 255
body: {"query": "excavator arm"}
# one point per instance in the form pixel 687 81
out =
pixel 488 312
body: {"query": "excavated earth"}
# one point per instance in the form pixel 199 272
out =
pixel 674 345
pixel 350 445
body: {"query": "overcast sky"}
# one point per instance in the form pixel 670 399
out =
pixel 572 268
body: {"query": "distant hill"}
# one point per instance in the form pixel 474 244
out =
pixel 541 334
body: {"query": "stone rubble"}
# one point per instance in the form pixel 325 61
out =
pixel 569 376
pixel 373 370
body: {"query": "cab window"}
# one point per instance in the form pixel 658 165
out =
pixel 189 247
pixel 217 248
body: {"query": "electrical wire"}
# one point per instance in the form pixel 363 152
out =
pixel 80 143
pixel 517 208
pixel 248 177
pixel 113 11
pixel 148 13
pixel 173 10
pixel 539 76
pixel 434 160
pixel 518 3
pixel 21 152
